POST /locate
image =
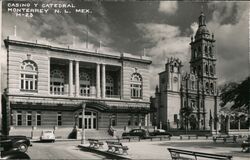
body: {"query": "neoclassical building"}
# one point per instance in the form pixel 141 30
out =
pixel 190 99
pixel 48 86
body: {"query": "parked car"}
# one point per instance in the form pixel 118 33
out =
pixel 246 145
pixel 48 135
pixel 9 152
pixel 21 143
pixel 142 133
pixel 160 132
pixel 14 154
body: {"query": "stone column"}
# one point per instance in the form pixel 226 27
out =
pixel 97 80
pixel 49 91
pixel 103 81
pixel 77 84
pixel 70 77
pixel 121 83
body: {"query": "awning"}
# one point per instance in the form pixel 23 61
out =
pixel 101 106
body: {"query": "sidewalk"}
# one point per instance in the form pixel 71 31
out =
pixel 158 149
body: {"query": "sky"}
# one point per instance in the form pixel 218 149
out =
pixel 160 29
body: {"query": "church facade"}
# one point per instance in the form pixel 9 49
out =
pixel 52 87
pixel 190 100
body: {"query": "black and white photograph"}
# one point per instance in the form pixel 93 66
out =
pixel 82 79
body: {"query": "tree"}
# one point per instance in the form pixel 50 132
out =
pixel 238 94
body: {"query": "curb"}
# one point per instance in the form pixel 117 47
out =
pixel 57 140
pixel 108 155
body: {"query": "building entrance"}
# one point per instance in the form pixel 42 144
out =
pixel 90 120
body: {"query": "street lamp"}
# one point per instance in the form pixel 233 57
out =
pixel 83 123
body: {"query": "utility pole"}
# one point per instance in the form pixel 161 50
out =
pixel 1 66
pixel 83 123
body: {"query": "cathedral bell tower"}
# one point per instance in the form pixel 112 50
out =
pixel 203 59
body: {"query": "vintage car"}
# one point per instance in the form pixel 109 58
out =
pixel 47 135
pixel 142 133
pixel 17 141
pixel 158 132
pixel 246 145
pixel 10 152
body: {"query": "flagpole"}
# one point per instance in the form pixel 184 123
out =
pixel 87 30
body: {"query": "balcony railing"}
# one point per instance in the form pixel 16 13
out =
pixel 83 95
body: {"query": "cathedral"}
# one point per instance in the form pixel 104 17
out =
pixel 190 100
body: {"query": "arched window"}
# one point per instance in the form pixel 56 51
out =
pixel 57 82
pixel 109 86
pixel 195 53
pixel 207 87
pixel 211 70
pixel 206 68
pixel 212 87
pixel 29 73
pixel 171 68
pixel 192 85
pixel 194 70
pixel 199 70
pixel 84 84
pixel 206 49
pixel 199 48
pixel 136 86
pixel 193 105
pixel 210 50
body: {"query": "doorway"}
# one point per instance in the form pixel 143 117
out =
pixel 90 120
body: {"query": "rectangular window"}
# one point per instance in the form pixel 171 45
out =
pixel 137 120
pixel 85 123
pixel 59 118
pixel 31 85
pixel 94 121
pixel 19 118
pixel 38 118
pixel 175 118
pixel 130 119
pixel 113 119
pixel 26 84
pixel 22 84
pixel 29 118
pixel 11 119
pixel 35 85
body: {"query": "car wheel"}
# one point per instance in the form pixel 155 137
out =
pixel 22 147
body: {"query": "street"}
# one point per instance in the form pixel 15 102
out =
pixel 137 150
pixel 59 150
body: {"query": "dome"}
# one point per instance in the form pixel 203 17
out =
pixel 202 30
